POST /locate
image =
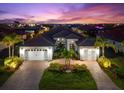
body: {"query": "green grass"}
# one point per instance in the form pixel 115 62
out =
pixel 67 81
pixel 119 61
pixel 4 75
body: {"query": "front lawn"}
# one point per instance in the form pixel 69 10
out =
pixel 119 61
pixel 53 80
pixel 4 75
pixel 115 70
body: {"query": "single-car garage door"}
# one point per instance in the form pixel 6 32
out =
pixel 36 54
pixel 89 53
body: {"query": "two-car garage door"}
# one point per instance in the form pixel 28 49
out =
pixel 36 54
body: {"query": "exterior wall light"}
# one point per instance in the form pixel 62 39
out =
pixel 58 39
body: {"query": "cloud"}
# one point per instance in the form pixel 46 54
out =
pixel 98 13
pixel 3 12
pixel 12 20
pixel 75 13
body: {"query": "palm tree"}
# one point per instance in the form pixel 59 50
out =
pixel 65 54
pixel 102 42
pixel 16 39
pixel 69 55
pixel 8 41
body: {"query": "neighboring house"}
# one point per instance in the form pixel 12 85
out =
pixel 43 46
pixel 114 37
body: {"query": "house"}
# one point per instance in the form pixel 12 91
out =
pixel 115 37
pixel 43 46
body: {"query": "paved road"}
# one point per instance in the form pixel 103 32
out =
pixel 101 78
pixel 27 77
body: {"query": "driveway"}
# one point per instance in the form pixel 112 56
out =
pixel 27 77
pixel 101 78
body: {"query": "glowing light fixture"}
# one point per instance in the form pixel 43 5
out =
pixel 58 39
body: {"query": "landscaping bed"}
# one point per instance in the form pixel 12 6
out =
pixel 55 78
pixel 8 67
pixel 115 70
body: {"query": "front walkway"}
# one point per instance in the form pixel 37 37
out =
pixel 102 80
pixel 27 77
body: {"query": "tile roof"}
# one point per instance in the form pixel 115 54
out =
pixel 63 33
pixel 86 42
pixel 113 35
pixel 39 41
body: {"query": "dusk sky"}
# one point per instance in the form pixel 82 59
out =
pixel 62 13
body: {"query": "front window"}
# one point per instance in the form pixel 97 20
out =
pixel 60 40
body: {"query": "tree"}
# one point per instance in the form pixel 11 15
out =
pixel 68 55
pixel 102 42
pixel 8 41
pixel 15 39
pixel 11 40
pixel 59 50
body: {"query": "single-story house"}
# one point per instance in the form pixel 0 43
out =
pixel 43 46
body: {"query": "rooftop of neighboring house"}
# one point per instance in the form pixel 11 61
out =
pixel 116 35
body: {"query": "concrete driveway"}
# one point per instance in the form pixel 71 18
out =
pixel 27 77
pixel 101 78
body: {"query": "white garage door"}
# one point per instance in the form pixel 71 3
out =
pixel 88 54
pixel 36 54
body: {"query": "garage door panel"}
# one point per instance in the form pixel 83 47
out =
pixel 88 54
pixel 38 54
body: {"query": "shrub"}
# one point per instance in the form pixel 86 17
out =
pixel 120 73
pixel 55 67
pixel 12 63
pixel 79 68
pixel 104 62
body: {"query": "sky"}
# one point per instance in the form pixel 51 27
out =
pixel 62 12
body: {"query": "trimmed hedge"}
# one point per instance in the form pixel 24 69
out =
pixel 79 68
pixel 62 68
pixel 55 67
